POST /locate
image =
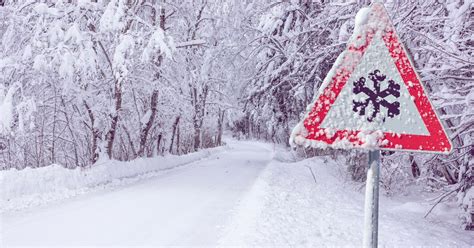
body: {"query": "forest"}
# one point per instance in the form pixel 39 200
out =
pixel 83 81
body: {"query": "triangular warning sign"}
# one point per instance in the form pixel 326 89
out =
pixel 372 97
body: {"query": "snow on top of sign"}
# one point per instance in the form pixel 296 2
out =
pixel 361 19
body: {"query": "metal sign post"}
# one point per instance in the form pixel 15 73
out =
pixel 372 200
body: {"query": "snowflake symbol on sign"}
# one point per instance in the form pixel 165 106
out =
pixel 376 97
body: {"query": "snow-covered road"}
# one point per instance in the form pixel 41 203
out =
pixel 185 206
pixel 246 194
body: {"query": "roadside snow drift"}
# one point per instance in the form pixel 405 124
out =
pixel 29 187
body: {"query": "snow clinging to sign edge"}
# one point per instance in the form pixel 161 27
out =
pixel 372 97
pixel 361 19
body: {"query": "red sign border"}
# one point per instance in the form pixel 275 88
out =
pixel 437 141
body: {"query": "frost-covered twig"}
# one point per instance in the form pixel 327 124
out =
pixel 312 173
pixel 439 200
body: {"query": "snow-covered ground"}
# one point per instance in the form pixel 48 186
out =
pixel 288 206
pixel 245 194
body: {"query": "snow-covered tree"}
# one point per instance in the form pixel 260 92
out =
pixel 119 79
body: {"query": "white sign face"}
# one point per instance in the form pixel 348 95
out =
pixel 372 97
pixel 405 117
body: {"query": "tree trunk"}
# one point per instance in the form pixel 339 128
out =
pixel 95 134
pixel 130 142
pixel 177 141
pixel 53 141
pixel 146 129
pixel 197 138
pixel 199 103
pixel 220 127
pixel 175 125
pixel 114 117
pixel 415 170
pixel 158 144
pixel 117 96
pixel 154 96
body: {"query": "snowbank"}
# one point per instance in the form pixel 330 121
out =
pixel 29 187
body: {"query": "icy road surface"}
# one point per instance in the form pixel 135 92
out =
pixel 245 195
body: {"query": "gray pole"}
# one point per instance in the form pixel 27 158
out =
pixel 372 200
